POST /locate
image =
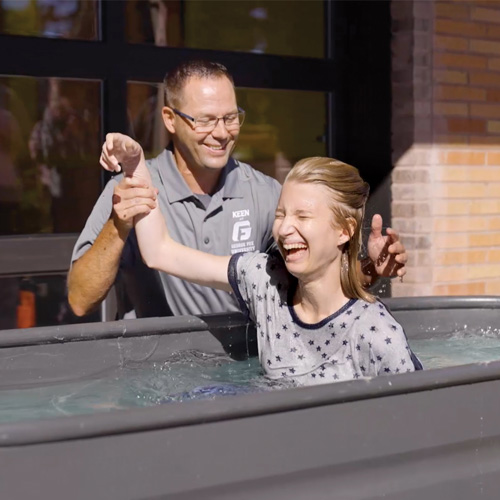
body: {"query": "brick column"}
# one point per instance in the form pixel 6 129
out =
pixel 446 145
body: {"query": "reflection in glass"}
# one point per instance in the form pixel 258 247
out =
pixel 29 301
pixel 155 21
pixel 293 28
pixel 281 126
pixel 73 19
pixel 144 103
pixel 49 146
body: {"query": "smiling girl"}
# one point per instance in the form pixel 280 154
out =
pixel 315 322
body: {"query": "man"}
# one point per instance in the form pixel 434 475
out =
pixel 211 202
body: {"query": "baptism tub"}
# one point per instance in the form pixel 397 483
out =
pixel 433 434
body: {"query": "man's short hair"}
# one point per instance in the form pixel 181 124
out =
pixel 176 79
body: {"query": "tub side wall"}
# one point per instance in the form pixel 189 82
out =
pixel 433 444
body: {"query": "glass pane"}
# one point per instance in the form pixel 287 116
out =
pixel 49 146
pixel 74 19
pixel 36 301
pixel 293 28
pixel 144 103
pixel 281 126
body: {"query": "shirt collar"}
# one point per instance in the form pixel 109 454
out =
pixel 177 189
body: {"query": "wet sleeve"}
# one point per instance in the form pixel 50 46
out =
pixel 390 347
pixel 245 273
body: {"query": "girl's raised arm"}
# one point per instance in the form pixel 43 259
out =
pixel 158 249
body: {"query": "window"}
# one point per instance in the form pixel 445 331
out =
pixel 49 143
pixel 74 19
pixel 292 28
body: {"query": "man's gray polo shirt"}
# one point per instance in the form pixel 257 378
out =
pixel 238 218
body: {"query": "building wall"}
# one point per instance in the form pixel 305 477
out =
pixel 446 145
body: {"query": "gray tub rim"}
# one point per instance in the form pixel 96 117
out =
pixel 160 325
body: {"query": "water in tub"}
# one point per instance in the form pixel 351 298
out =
pixel 196 375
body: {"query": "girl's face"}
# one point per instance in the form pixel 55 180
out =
pixel 304 230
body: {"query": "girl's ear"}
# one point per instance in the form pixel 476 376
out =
pixel 347 232
pixel 168 119
pixel 344 236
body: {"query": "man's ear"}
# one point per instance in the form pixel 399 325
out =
pixel 168 119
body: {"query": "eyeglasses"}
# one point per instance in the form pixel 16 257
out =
pixel 232 122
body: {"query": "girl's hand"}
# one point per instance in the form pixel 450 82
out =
pixel 121 151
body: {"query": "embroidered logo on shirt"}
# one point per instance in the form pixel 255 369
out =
pixel 242 230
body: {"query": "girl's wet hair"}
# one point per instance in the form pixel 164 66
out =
pixel 349 193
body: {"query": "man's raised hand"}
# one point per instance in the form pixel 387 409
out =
pixel 387 253
pixel 131 197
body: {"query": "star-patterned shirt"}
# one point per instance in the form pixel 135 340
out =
pixel 361 339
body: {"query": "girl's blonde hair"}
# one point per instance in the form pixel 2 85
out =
pixel 349 193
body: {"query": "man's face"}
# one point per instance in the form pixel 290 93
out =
pixel 202 98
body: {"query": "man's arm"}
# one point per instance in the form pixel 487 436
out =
pixel 93 274
pixel 158 249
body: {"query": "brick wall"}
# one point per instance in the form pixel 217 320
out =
pixel 446 145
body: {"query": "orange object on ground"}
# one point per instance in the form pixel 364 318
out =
pixel 26 311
